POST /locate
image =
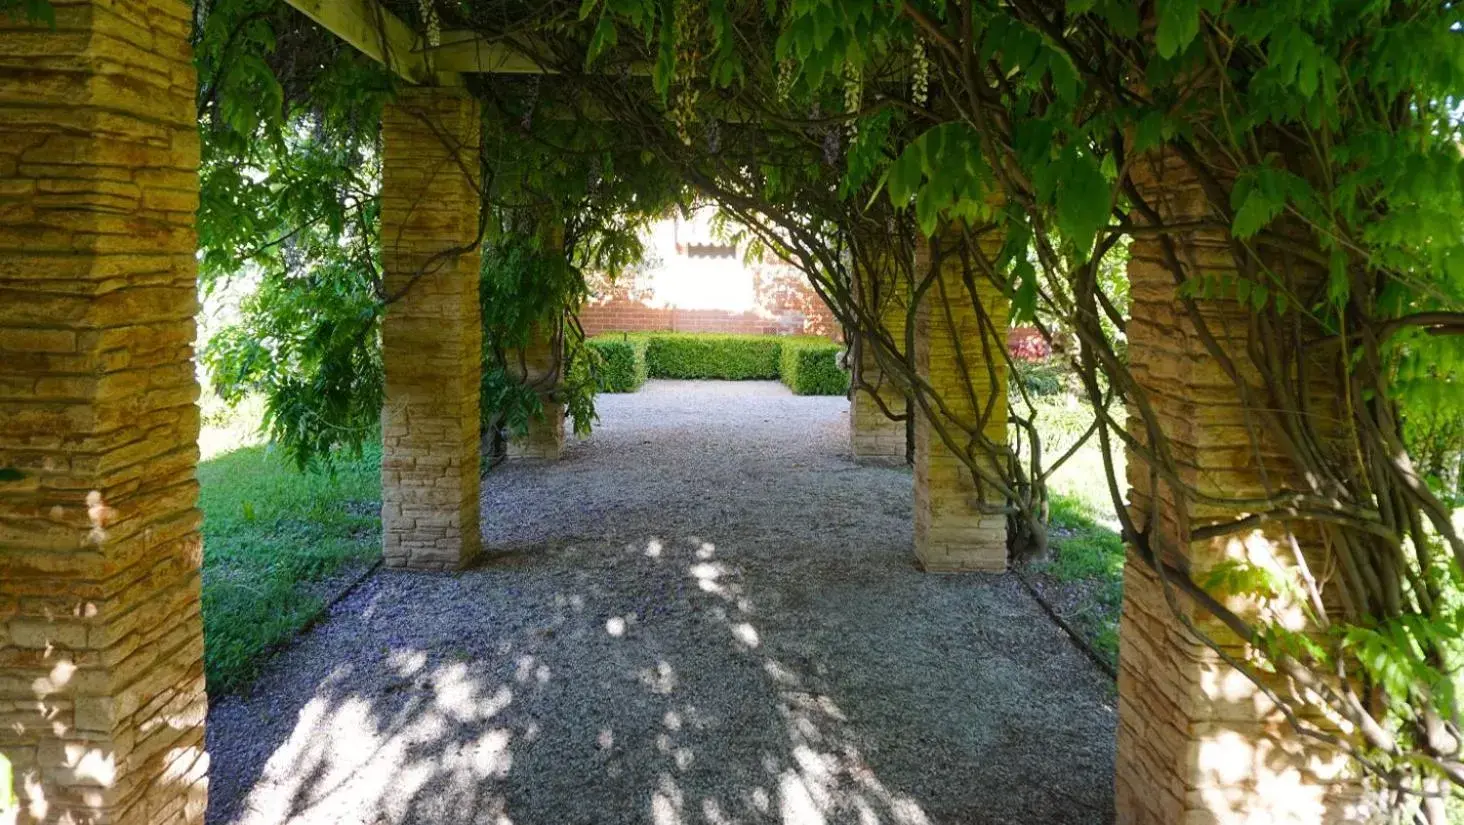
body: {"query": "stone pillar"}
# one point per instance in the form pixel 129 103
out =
pixel 539 363
pixel 958 527
pixel 101 645
pixel 874 436
pixel 1197 743
pixel 432 333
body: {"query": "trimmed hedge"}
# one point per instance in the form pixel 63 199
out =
pixel 725 357
pixel 808 365
pixel 811 367
pixel 622 363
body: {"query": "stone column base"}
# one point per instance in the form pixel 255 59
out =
pixel 544 440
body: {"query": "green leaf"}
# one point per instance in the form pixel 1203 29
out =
pixel 1149 132
pixel 927 209
pixel 1179 22
pixel 35 11
pixel 10 474
pixel 1024 301
pixel 604 37
pixel 1339 286
pixel 1122 15
pixel 1064 75
pixel 1242 290
pixel 904 176
pixel 1254 213
pixel 1082 201
pixel 1257 199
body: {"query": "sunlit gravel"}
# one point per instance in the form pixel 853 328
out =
pixel 705 613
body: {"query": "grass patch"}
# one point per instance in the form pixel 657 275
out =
pixel 271 536
pixel 1087 562
pixel 1084 571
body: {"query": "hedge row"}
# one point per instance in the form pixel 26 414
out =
pixel 724 357
pixel 622 363
pixel 809 366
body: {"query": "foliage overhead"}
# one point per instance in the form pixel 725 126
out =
pixel 1322 147
pixel 290 175
pixel 1320 141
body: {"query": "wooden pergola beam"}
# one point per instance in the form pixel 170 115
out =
pixel 468 52
pixel 380 35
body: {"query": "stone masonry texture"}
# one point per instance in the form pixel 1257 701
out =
pixel 432 334
pixel 956 529
pixel 101 679
pixel 1197 743
pixel 874 436
pixel 539 364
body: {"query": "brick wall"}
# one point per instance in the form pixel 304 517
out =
pixel 783 301
pixel 959 526
pixel 538 365
pixel 882 289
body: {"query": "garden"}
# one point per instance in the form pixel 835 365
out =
pixel 282 543
pixel 1227 232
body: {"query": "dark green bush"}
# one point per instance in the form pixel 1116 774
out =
pixel 622 363
pixel 1042 378
pixel 725 357
pixel 810 366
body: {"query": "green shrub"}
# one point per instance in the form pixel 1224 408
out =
pixel 810 366
pixel 725 357
pixel 1044 378
pixel 622 363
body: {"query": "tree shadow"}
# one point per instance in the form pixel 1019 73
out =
pixel 707 692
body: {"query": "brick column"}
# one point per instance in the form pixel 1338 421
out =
pixel 537 363
pixel 540 364
pixel 1197 743
pixel 101 645
pixel 544 439
pixel 964 365
pixel 874 437
pixel 432 333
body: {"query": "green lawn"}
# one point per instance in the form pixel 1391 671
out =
pixel 274 540
pixel 1086 557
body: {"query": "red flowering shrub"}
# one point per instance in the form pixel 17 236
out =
pixel 1027 344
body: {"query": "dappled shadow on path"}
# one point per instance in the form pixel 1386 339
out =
pixel 659 638
pixel 574 704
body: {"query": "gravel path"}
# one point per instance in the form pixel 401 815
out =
pixel 705 613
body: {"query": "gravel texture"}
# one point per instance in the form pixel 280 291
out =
pixel 705 613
